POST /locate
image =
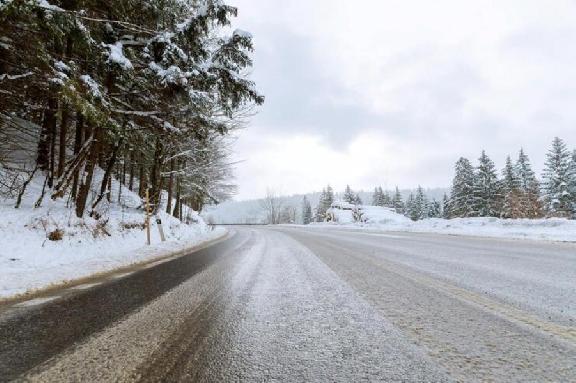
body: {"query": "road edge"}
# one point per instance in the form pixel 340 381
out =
pixel 57 288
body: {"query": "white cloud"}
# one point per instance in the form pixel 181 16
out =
pixel 414 83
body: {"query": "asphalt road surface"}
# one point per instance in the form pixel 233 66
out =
pixel 301 305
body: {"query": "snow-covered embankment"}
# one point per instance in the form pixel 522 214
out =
pixel 32 255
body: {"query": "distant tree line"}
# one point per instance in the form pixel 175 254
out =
pixel 479 191
pixel 145 91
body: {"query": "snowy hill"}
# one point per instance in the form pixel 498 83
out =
pixel 251 211
pixel 50 245
pixel 377 219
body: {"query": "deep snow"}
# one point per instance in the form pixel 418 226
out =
pixel 29 260
pixel 384 219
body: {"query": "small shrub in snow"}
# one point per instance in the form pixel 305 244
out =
pixel 133 225
pixel 100 229
pixel 56 235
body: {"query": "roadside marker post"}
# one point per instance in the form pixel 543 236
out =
pixel 147 217
pixel 160 229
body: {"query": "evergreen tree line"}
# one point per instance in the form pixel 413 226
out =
pixel 478 191
pixel 518 193
pixel 418 206
pixel 143 91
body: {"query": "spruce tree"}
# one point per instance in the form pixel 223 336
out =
pixel 435 209
pixel 326 200
pixel 557 178
pixel 155 85
pixel 487 189
pixel 306 211
pixel 512 203
pixel 573 182
pixel 397 202
pixel 530 202
pixel 322 207
pixel 329 196
pixel 420 205
pixel 386 199
pixel 446 208
pixel 377 197
pixel 357 199
pixel 462 193
pixel 411 210
pixel 349 195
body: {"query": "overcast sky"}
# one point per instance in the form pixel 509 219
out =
pixel 393 92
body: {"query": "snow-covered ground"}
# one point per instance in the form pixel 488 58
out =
pixel 383 219
pixel 29 260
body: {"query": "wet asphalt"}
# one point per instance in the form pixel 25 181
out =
pixel 295 305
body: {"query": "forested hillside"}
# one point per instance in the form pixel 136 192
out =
pixel 146 92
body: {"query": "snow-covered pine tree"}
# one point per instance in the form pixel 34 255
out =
pixel 386 199
pixel 435 209
pixel 557 177
pixel 487 189
pixel 377 197
pixel 321 208
pixel 446 208
pixel 349 195
pixel 397 202
pixel 306 211
pixel 531 204
pixel 462 193
pixel 326 200
pixel 411 210
pixel 512 200
pixel 573 182
pixel 357 199
pixel 329 196
pixel 148 87
pixel 420 204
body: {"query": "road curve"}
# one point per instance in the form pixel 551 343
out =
pixel 289 304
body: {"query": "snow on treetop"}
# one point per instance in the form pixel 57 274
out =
pixel 46 5
pixel 241 33
pixel 92 85
pixel 342 205
pixel 117 55
pixel 171 75
pixel 61 66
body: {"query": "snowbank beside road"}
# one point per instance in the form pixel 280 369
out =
pixel 553 229
pixel 383 219
pixel 29 260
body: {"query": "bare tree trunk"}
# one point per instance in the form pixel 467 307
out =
pixel 170 187
pixel 176 212
pixel 84 188
pixel 107 179
pixel 78 140
pixel 53 130
pixel 155 176
pixel 24 186
pixel 62 140
pixel 131 177
pixel 45 149
pixel 143 183
pixel 109 192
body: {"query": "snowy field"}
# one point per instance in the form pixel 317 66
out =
pixel 382 219
pixel 29 260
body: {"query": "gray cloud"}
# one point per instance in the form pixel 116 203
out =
pixel 426 94
pixel 299 96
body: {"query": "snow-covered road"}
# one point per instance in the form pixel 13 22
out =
pixel 290 304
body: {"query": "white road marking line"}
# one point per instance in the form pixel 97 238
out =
pixel 36 302
pixel 84 286
pixel 392 236
pixel 153 264
pixel 122 275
